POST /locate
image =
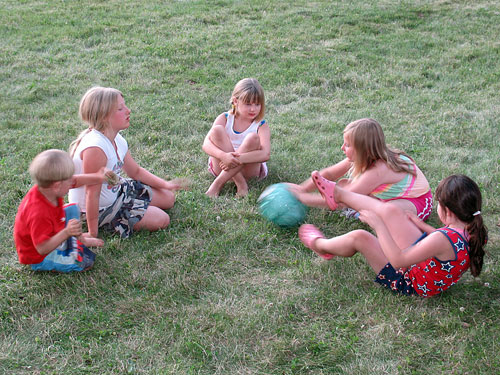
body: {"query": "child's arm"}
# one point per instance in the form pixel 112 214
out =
pixel 332 173
pixel 261 155
pixel 74 228
pixel 89 241
pixel 98 177
pixel 368 181
pixel 307 198
pixel 229 159
pixel 136 172
pixel 94 159
pixel 424 227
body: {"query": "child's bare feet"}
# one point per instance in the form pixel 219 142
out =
pixel 90 241
pixel 241 190
pixel 213 191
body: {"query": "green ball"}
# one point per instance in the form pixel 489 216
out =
pixel 278 205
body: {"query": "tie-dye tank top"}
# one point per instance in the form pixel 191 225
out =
pixel 409 186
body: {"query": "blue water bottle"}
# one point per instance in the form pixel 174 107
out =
pixel 72 211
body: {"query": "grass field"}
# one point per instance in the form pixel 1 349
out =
pixel 222 291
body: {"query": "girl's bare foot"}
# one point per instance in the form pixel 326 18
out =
pixel 90 241
pixel 241 188
pixel 240 193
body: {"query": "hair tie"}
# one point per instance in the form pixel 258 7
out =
pixel 476 213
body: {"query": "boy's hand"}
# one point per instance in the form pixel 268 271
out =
pixel 109 176
pixel 74 228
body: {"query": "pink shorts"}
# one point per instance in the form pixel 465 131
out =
pixel 423 204
pixel 262 173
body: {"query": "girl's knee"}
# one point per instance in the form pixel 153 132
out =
pixel 163 199
pixel 154 219
pixel 251 142
pixel 160 220
pixel 217 133
pixel 165 221
pixel 361 238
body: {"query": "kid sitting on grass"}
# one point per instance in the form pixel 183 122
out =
pixel 43 238
pixel 377 170
pixel 409 256
pixel 130 204
pixel 239 142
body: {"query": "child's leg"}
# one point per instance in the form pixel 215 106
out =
pixel 402 229
pixel 154 219
pixel 219 137
pixel 70 256
pixel 347 245
pixel 404 204
pixel 250 143
pixel 163 198
pixel 223 177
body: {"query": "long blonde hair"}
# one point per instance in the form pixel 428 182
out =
pixel 249 90
pixel 367 138
pixel 95 107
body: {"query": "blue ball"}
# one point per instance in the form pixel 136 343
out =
pixel 278 205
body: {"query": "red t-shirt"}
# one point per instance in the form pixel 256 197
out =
pixel 37 220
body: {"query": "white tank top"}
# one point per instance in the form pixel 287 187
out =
pixel 114 162
pixel 237 138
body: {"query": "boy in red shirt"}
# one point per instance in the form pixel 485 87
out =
pixel 42 236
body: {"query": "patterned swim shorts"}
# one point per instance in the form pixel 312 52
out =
pixel 396 280
pixel 128 209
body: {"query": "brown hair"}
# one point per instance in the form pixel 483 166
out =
pixel 95 107
pixel 462 196
pixel 367 138
pixel 249 90
pixel 51 166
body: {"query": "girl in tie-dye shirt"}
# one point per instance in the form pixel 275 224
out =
pixel 372 168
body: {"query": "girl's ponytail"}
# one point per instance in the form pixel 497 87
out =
pixel 74 145
pixel 478 236
pixel 462 196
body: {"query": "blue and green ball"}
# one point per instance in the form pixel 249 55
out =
pixel 278 205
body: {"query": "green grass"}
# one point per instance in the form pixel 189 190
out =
pixel 222 291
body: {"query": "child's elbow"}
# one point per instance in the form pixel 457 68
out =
pixel 266 155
